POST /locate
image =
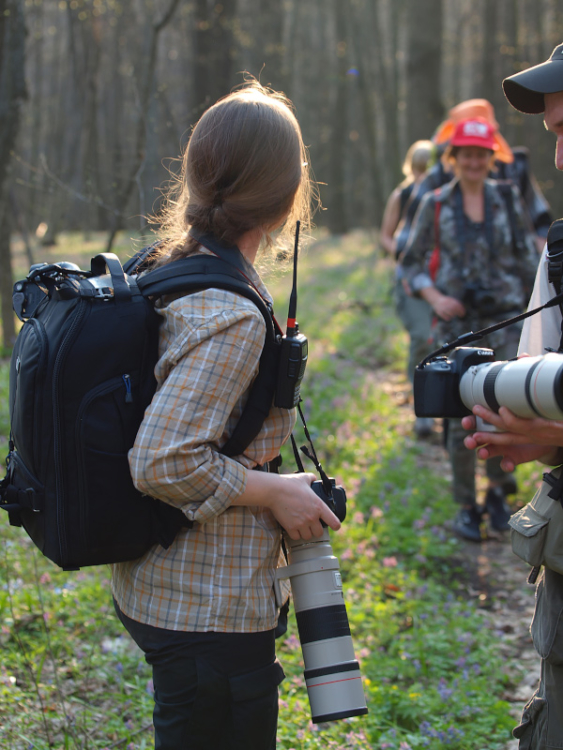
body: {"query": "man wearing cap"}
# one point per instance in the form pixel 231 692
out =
pixel 471 256
pixel 536 90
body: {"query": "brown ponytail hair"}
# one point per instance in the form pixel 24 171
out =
pixel 245 167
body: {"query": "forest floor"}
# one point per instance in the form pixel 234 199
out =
pixel 407 581
pixel 497 577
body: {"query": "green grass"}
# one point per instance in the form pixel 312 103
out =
pixel 70 677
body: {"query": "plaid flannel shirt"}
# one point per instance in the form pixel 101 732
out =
pixel 217 576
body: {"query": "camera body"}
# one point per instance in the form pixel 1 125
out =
pixel 480 298
pixel 436 383
pixel 336 501
pixel 451 386
pixel 332 673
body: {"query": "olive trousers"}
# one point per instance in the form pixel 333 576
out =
pixel 541 727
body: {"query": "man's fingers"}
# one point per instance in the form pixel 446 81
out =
pixel 468 423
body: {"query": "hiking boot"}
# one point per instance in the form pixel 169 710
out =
pixel 423 426
pixel 497 508
pixel 467 524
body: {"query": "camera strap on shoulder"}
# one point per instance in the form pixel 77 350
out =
pixel 434 262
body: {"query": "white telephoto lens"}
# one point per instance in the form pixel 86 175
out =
pixel 529 386
pixel 509 386
pixel 332 673
pixel 545 385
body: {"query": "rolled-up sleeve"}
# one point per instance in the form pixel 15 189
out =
pixel 208 364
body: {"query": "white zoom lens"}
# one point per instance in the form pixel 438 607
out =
pixel 332 673
pixel 529 386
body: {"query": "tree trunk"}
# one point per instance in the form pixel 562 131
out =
pixel 490 83
pixel 20 223
pixel 146 81
pixel 12 94
pixel 8 325
pixel 213 51
pixel 424 107
pixel 360 19
pixel 336 203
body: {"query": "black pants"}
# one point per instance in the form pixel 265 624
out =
pixel 211 690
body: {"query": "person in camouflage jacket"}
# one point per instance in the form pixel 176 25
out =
pixel 509 164
pixel 474 270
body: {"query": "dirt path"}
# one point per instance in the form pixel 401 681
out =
pixel 497 578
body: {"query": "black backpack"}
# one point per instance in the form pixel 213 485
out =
pixel 81 377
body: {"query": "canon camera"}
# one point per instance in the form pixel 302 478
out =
pixel 450 386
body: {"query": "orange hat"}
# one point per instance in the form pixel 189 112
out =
pixel 474 132
pixel 480 108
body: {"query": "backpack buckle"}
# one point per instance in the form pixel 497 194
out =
pixel 31 500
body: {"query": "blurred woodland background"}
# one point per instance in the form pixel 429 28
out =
pixel 97 96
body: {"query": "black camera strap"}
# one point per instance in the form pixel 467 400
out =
pixel 311 455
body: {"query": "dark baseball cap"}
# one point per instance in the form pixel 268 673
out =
pixel 525 90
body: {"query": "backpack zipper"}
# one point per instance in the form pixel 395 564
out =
pixel 128 393
pixel 39 331
pixel 110 386
pixel 80 311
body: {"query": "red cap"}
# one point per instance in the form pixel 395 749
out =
pixel 474 132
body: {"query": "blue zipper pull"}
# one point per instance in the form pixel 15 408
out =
pixel 128 394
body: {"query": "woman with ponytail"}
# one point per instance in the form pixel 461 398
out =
pixel 204 610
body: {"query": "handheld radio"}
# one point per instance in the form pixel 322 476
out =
pixel 294 349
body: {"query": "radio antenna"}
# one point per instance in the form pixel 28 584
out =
pixel 292 325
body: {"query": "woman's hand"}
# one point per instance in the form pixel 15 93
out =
pixel 519 440
pixel 445 307
pixel 298 509
pixel 291 500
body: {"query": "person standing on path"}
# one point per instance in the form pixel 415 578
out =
pixel 471 256
pixel 536 90
pixel 414 312
pixel 510 164
pixel 204 610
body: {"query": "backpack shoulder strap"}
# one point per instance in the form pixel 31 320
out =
pixel 140 261
pixel 198 272
pixel 434 262
pixel 505 189
pixel 404 197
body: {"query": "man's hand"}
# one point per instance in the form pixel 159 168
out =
pixel 520 440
